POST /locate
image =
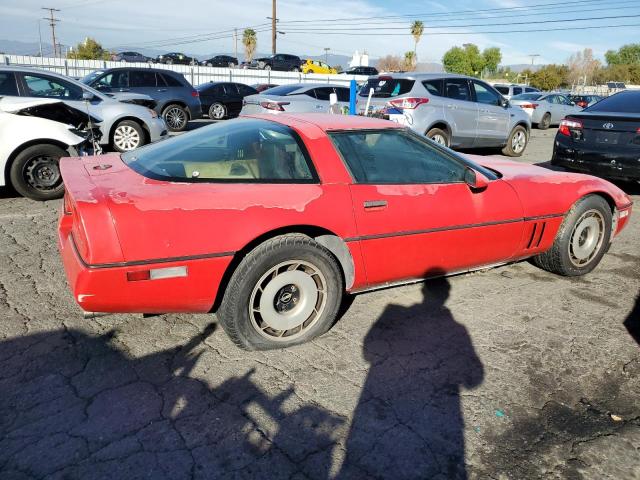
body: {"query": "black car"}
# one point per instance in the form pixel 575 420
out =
pixel 603 139
pixel 176 100
pixel 361 71
pixel 223 99
pixel 176 58
pixel 280 61
pixel 221 61
pixel 131 57
pixel 585 100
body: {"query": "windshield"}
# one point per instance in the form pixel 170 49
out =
pixel 623 102
pixel 282 90
pixel 384 87
pixel 527 96
pixel 91 77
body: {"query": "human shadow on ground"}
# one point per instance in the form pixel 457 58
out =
pixel 76 406
pixel 408 422
pixel 632 322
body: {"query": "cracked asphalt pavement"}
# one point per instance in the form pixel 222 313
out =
pixel 508 373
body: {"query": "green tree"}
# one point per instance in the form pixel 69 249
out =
pixel 417 29
pixel 476 60
pixel 250 42
pixel 409 61
pixel 455 60
pixel 627 55
pixel 550 77
pixel 89 50
pixel 492 58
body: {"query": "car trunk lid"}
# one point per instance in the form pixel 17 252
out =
pixel 608 129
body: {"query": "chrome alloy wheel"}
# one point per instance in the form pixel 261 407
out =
pixel 176 118
pixel 586 238
pixel 288 300
pixel 125 137
pixel 43 173
pixel 518 141
pixel 217 111
pixel 438 138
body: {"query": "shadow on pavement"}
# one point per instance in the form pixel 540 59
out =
pixel 74 405
pixel 408 422
pixel 632 322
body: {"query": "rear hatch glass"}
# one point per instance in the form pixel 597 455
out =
pixel 386 87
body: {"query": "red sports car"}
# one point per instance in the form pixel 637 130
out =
pixel 268 220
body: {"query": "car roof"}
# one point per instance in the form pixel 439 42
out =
pixel 328 122
pixel 424 76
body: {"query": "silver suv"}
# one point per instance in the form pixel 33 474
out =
pixel 453 110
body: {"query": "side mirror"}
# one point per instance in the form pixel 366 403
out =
pixel 476 181
pixel 87 96
pixel 504 103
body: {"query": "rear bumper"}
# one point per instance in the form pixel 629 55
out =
pixel 621 163
pixel 105 288
pixel 157 129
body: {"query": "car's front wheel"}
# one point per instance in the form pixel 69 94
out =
pixel 217 111
pixel 439 136
pixel 35 172
pixel 128 135
pixel 176 117
pixel 284 292
pixel 581 241
pixel 517 142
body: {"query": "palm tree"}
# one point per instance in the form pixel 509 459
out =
pixel 250 41
pixel 417 28
pixel 409 61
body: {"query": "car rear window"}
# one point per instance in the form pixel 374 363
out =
pixel 8 84
pixel 623 102
pixel 384 87
pixel 527 96
pixel 282 90
pixel 502 90
pixel 243 151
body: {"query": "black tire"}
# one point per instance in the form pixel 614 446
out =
pixel 561 257
pixel 169 62
pixel 232 65
pixel 515 146
pixel 437 134
pixel 209 64
pixel 127 135
pixel 217 111
pixel 35 172
pixel 295 69
pixel 545 122
pixel 243 294
pixel 267 67
pixel 176 117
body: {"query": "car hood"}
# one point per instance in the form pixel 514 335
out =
pixel 47 108
pixel 543 191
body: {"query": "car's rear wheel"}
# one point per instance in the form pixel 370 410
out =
pixel 267 67
pixel 232 65
pixel 35 172
pixel 517 142
pixel 439 136
pixel 295 69
pixel 209 64
pixel 176 117
pixel 128 135
pixel 217 111
pixel 581 241
pixel 545 122
pixel 284 292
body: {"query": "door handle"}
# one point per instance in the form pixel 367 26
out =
pixel 124 89
pixel 161 90
pixel 375 203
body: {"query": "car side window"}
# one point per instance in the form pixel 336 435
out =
pixel 323 93
pixel 171 81
pixel 457 89
pixel 141 78
pixel 434 87
pixel 246 90
pixel 564 100
pixel 247 151
pixel 343 94
pixel 8 84
pixel 485 95
pixel 231 89
pixel 395 156
pixel 517 90
pixel 49 87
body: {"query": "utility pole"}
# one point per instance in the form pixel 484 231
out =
pixel 533 56
pixel 52 22
pixel 326 55
pixel 39 38
pixel 235 40
pixel 274 19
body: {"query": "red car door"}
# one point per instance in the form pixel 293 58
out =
pixel 414 213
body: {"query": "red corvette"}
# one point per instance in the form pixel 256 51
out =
pixel 268 220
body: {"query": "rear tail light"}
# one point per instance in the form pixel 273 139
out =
pixel 409 103
pixel 156 274
pixel 582 104
pixel 278 106
pixel 195 93
pixel 569 124
pixel 66 206
pixel 529 105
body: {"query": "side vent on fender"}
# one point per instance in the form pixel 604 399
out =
pixel 537 232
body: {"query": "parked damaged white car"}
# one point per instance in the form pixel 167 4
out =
pixel 34 134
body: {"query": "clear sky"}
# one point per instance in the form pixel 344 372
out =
pixel 309 26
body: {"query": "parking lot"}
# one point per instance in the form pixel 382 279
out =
pixel 521 373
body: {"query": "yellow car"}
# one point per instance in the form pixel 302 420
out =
pixel 314 66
